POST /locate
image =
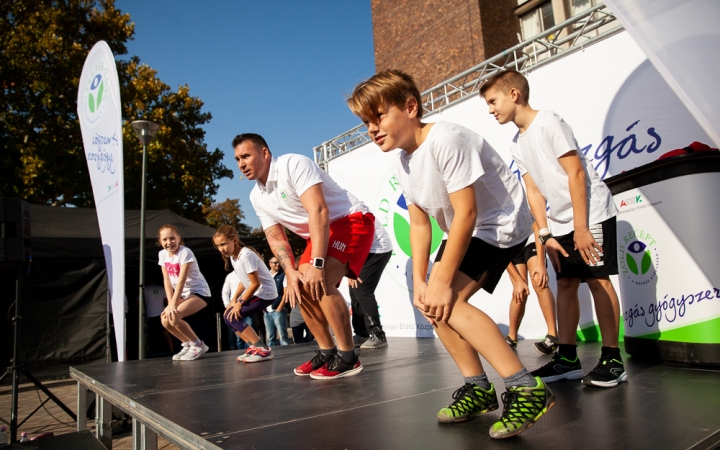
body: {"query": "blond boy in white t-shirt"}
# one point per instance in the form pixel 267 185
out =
pixel 452 174
pixel 579 225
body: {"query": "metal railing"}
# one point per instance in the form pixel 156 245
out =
pixel 585 29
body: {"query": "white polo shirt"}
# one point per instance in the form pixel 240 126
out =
pixel 278 200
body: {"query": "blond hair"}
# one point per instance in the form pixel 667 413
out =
pixel 232 234
pixel 389 87
pixel 506 80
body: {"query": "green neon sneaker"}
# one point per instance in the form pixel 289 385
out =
pixel 522 407
pixel 470 400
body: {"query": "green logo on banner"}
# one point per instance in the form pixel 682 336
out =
pixel 639 258
pixel 401 229
pixel 96 93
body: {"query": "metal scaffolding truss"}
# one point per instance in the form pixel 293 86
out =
pixel 574 34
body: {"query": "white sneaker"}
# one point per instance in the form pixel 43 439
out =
pixel 248 352
pixel 184 349
pixel 259 354
pixel 194 352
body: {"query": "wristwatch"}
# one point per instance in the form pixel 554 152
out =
pixel 318 263
pixel 545 237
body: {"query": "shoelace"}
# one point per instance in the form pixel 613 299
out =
pixel 460 397
pixel 514 411
pixel 318 360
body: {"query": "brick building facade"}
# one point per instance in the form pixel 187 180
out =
pixel 434 40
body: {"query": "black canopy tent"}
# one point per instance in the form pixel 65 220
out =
pixel 65 292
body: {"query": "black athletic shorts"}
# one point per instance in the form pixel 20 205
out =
pixel 524 256
pixel 482 257
pixel 605 233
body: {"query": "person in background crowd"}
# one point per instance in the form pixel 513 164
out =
pixel 365 315
pixel 275 315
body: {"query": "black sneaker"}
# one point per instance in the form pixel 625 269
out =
pixel 358 340
pixel 559 368
pixel 315 363
pixel 548 345
pixel 337 368
pixel 609 372
pixel 511 343
pixel 375 341
pixel 470 400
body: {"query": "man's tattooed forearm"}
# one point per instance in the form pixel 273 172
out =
pixel 285 257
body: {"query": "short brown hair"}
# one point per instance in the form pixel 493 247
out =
pixel 506 80
pixel 389 86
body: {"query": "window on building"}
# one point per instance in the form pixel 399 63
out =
pixel 537 20
pixel 578 6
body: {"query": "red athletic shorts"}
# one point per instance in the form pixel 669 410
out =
pixel 350 240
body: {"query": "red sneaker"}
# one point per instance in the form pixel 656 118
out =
pixel 317 362
pixel 337 368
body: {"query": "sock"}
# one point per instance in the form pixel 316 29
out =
pixel 197 342
pixel 347 357
pixel 521 378
pixel 611 352
pixel 480 381
pixel 259 343
pixel 327 353
pixel 569 351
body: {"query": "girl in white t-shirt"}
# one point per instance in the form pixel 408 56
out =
pixel 186 289
pixel 255 292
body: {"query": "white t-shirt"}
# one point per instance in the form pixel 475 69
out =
pixel 537 151
pixel 229 287
pixel 195 282
pixel 248 262
pixel 381 241
pixel 290 175
pixel 154 300
pixel 452 158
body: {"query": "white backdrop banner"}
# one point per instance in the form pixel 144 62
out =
pixel 681 38
pixel 623 114
pixel 101 124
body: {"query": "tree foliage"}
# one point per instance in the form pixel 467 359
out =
pixel 43 46
pixel 226 213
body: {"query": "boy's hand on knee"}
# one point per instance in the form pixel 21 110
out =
pixel 418 301
pixel 554 250
pixel 588 248
pixel 539 276
pixel 439 301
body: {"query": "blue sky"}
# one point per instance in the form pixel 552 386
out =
pixel 278 68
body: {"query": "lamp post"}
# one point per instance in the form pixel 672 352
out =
pixel 145 131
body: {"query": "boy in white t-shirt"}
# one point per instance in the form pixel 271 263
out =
pixel 579 225
pixel 452 174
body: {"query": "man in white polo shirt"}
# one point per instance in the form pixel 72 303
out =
pixel 292 191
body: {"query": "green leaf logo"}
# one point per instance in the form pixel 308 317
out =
pixel 646 262
pixel 91 103
pixel 100 93
pixel 632 265
pixel 401 227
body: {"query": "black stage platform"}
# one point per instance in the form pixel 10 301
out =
pixel 215 402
